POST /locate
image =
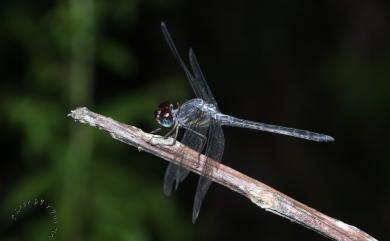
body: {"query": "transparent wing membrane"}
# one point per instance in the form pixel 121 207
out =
pixel 214 150
pixel 196 78
pixel 175 174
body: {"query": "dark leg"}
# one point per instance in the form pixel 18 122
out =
pixel 170 132
pixel 155 131
pixel 174 131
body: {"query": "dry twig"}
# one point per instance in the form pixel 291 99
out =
pixel 259 193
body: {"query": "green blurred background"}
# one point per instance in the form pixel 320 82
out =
pixel 317 65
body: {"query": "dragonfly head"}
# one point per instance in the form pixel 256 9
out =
pixel 164 115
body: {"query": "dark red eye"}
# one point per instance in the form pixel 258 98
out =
pixel 164 104
pixel 163 114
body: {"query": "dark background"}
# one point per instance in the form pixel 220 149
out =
pixel 316 65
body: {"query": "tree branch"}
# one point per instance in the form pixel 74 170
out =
pixel 259 193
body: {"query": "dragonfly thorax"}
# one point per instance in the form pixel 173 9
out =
pixel 195 113
pixel 164 114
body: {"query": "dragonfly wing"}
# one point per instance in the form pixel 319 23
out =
pixel 214 150
pixel 198 83
pixel 174 174
pixel 196 79
pixel 175 52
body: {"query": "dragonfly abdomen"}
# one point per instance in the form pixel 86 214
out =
pixel 303 134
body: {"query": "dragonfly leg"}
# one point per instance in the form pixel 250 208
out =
pixel 170 132
pixel 155 131
pixel 174 131
pixel 174 136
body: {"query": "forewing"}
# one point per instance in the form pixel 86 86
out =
pixel 214 150
pixel 174 175
pixel 196 79
pixel 198 83
pixel 175 52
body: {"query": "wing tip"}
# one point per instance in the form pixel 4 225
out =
pixel 191 52
pixel 195 214
pixel 163 27
pixel 167 190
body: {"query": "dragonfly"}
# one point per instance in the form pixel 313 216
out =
pixel 202 123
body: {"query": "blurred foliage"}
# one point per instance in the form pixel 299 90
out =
pixel 57 45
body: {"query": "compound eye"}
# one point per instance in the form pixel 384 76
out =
pixel 167 115
pixel 164 114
